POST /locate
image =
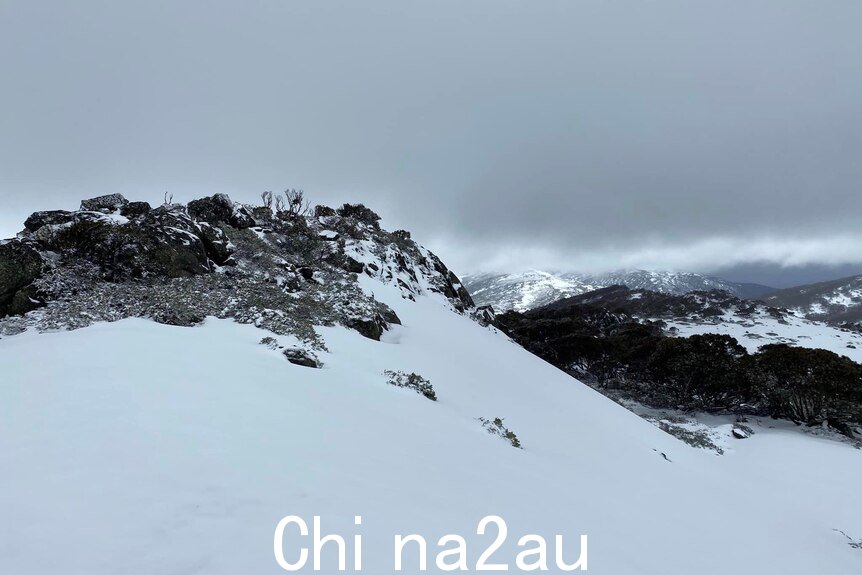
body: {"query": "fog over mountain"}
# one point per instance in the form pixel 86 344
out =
pixel 584 135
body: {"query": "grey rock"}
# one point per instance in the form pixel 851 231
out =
pixel 220 209
pixel 106 204
pixel 135 209
pixel 299 356
pixel 47 218
pixel 20 266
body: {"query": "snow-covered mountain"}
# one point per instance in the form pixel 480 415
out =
pixel 535 288
pixel 174 383
pixel 838 301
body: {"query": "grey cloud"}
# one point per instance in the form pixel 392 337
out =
pixel 675 133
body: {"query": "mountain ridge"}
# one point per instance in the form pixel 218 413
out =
pixel 535 288
pixel 837 301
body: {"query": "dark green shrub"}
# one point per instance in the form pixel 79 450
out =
pixel 495 427
pixel 411 381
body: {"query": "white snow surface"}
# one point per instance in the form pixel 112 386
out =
pixel 135 447
pixel 762 329
pixel 535 288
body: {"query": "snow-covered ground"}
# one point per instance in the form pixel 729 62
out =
pixel 761 329
pixel 135 447
pixel 535 288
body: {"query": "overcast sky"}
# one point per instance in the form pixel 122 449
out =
pixel 582 135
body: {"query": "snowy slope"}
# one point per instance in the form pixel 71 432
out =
pixel 836 300
pixel 535 288
pixel 135 447
pixel 761 329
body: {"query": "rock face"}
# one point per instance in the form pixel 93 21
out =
pixel 105 204
pixel 220 209
pixel 54 217
pixel 20 266
pixel 288 272
pixel 131 240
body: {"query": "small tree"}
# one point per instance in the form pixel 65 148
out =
pixel 267 199
pixel 296 204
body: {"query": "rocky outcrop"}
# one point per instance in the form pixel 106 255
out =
pixel 164 242
pixel 38 220
pixel 108 204
pixel 289 271
pixel 20 266
pixel 135 209
pixel 220 209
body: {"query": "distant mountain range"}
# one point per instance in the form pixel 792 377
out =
pixel 835 300
pixel 536 288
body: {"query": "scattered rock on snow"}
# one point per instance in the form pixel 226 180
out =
pixel 299 356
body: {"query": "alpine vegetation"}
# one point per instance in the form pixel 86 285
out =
pixel 495 427
pixel 411 381
pixel 679 352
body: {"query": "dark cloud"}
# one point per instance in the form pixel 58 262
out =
pixel 508 133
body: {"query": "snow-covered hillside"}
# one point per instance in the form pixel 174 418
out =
pixel 535 288
pixel 137 447
pixel 263 384
pixel 837 301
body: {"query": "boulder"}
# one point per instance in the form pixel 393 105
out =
pixel 485 315
pixel 47 218
pixel 360 213
pixel 220 209
pixel 20 266
pixel 106 204
pixel 307 273
pixel 217 245
pixel 353 266
pixel 299 356
pixel 135 209
pixel 373 327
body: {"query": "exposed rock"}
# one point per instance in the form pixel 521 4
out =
pixel 352 265
pixel 299 356
pixel 360 213
pixel 135 209
pixel 323 211
pixel 306 273
pixel 372 328
pixel 216 244
pixel 220 209
pixel 485 315
pixel 47 218
pixel 288 276
pixel 106 204
pixel 20 266
pixel 165 242
pixel 740 433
